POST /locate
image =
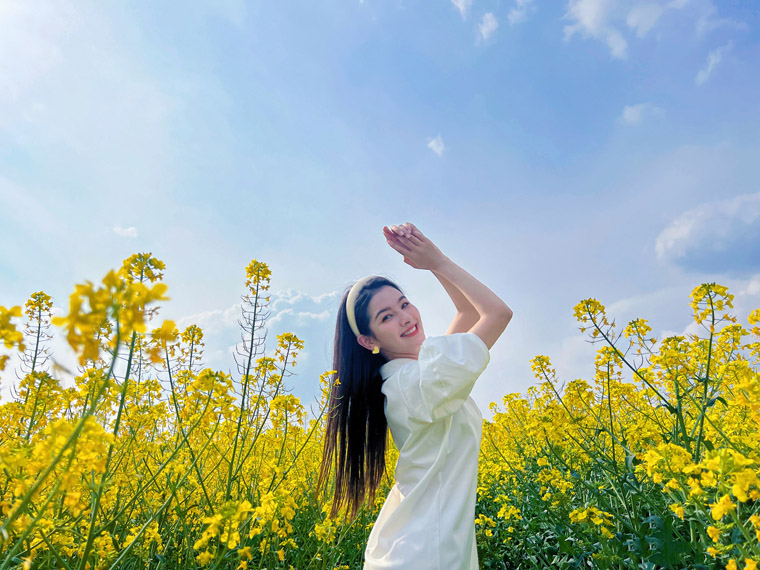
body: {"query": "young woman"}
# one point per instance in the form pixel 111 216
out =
pixel 389 375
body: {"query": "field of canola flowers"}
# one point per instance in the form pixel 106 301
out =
pixel 152 461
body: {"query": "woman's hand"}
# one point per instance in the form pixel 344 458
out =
pixel 418 251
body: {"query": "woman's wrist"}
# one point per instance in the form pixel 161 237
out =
pixel 441 265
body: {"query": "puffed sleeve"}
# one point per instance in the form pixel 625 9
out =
pixel 449 366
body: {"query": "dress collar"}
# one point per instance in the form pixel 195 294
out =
pixel 389 368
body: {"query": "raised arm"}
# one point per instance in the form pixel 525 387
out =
pixel 419 252
pixel 466 315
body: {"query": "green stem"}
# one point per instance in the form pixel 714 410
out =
pixel 99 491
pixel 706 379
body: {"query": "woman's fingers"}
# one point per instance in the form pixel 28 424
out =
pixel 398 246
pixel 407 229
pixel 389 234
pixel 404 230
pixel 406 236
pixel 391 237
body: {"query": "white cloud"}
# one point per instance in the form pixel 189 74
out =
pixel 436 145
pixel 488 26
pixel 606 20
pixel 753 287
pixel 519 12
pixel 130 232
pixel 590 15
pixel 463 6
pixel 714 237
pixel 292 297
pixel 591 19
pixel 634 114
pixel 713 59
pixel 643 17
pixel 300 318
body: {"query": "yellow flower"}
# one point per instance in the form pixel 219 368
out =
pixel 673 484
pixel 708 479
pixel 714 533
pixel 731 565
pixel 721 508
pixel 204 558
pixel 750 564
pixel 257 276
pixel 742 481
pixel 9 336
pixel 91 308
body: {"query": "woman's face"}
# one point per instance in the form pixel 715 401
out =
pixel 395 324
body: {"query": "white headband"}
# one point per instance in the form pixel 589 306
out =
pixel 351 302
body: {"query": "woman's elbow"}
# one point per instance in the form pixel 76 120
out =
pixel 503 312
pixel 500 315
pixel 504 315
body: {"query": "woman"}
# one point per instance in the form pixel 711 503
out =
pixel 389 375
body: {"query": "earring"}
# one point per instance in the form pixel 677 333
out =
pixel 376 350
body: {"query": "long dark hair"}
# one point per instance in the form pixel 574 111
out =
pixel 356 435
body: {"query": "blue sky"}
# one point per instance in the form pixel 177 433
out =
pixel 556 150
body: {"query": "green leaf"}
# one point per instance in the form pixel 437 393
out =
pixel 711 401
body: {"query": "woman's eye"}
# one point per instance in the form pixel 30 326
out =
pixel 386 317
pixel 405 304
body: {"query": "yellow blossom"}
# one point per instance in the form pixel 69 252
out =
pixel 722 507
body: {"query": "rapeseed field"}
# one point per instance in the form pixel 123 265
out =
pixel 150 460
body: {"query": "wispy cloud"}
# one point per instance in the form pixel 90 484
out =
pixel 713 59
pixel 590 18
pixel 463 6
pixel 606 20
pixel 130 232
pixel 635 114
pixel 643 17
pixel 519 12
pixel 436 145
pixel 488 26
pixel 721 236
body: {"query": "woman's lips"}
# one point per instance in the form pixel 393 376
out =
pixel 415 329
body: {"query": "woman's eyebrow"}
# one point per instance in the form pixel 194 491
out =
pixel 388 308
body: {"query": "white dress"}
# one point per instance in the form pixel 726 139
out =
pixel 428 519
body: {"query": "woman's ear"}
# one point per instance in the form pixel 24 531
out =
pixel 366 341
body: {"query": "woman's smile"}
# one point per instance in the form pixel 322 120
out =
pixel 411 332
